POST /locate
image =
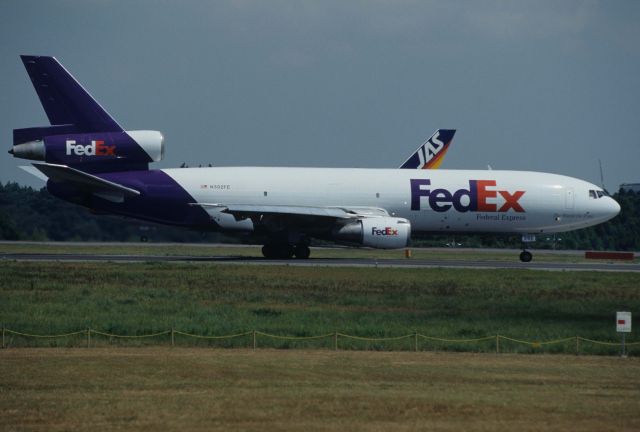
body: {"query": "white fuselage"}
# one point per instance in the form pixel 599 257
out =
pixel 432 200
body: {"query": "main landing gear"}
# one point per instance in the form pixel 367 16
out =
pixel 285 251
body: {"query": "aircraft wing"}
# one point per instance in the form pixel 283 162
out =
pixel 84 181
pixel 369 226
pixel 249 211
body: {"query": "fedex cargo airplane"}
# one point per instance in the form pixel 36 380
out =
pixel 87 158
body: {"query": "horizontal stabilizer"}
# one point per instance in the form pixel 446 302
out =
pixel 82 180
pixel 34 172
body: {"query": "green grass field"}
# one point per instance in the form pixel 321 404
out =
pixel 212 389
pixel 213 299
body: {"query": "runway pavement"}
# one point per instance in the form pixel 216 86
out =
pixel 332 262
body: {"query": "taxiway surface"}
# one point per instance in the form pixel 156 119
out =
pixel 329 262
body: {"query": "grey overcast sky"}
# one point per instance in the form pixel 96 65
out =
pixel 530 85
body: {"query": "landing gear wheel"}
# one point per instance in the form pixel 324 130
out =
pixel 268 252
pixel 525 256
pixel 302 252
pixel 277 251
pixel 287 251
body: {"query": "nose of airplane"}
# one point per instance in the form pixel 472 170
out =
pixel 613 207
pixel 602 209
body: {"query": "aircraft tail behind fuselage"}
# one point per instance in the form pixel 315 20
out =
pixel 431 153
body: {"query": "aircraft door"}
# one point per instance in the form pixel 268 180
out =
pixel 569 198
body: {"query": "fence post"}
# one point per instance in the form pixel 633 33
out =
pixel 416 341
pixel 254 340
pixel 577 345
pixel 335 341
pixel 2 336
pixel 497 344
pixel 172 337
pixel 88 337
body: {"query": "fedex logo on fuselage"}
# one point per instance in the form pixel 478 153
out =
pixel 387 231
pixel 481 196
pixel 96 148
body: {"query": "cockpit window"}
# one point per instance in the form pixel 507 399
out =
pixel 595 194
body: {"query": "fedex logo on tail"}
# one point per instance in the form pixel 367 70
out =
pixel 482 196
pixel 96 148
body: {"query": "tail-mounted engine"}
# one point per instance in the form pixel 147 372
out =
pixel 92 152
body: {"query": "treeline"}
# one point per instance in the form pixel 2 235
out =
pixel 29 214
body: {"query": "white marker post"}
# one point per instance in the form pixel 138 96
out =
pixel 623 325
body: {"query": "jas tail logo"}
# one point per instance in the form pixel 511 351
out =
pixel 482 196
pixel 428 154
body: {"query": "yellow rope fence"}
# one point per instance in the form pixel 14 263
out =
pixel 335 335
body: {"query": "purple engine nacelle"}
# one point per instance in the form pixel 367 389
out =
pixel 103 151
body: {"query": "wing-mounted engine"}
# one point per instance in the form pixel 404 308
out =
pixel 92 152
pixel 376 232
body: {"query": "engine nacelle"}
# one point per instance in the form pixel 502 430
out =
pixel 376 232
pixel 107 150
pixel 228 222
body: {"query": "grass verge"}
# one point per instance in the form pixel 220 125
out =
pixel 211 299
pixel 203 389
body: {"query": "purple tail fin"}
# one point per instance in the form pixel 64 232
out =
pixel 63 98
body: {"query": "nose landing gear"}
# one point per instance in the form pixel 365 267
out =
pixel 526 256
